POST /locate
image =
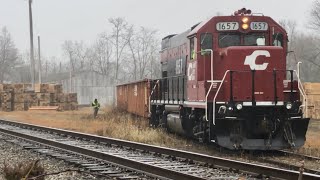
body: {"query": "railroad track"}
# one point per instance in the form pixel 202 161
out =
pixel 276 158
pixel 282 161
pixel 280 158
pixel 299 155
pixel 136 160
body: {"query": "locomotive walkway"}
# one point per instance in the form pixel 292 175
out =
pixel 130 160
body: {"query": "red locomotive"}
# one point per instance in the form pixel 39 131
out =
pixel 225 81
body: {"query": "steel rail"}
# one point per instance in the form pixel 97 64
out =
pixel 142 167
pixel 286 165
pixel 216 161
pixel 304 156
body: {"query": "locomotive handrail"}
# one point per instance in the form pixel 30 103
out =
pixel 212 81
pixel 214 99
pixel 166 91
pixel 154 87
pixel 301 89
pixel 170 77
pixel 304 95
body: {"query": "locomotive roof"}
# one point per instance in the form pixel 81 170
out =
pixel 169 36
pixel 202 24
pixel 198 27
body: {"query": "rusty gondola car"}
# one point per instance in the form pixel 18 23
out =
pixel 134 97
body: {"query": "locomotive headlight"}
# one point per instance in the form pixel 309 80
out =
pixel 245 20
pixel 289 106
pixel 239 106
pixel 245 26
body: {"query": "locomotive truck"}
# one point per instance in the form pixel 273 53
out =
pixel 225 81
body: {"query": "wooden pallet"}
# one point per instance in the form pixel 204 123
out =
pixel 55 108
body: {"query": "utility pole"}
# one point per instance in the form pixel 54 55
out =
pixel 46 69
pixel 39 66
pixel 31 46
pixel 71 69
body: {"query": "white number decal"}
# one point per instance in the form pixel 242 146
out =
pixel 259 26
pixel 179 66
pixel 226 26
pixel 192 71
pixel 135 90
pixel 251 60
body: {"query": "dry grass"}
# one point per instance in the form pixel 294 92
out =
pixel 110 122
pixel 20 170
pixel 313 139
pixel 117 124
pixel 312 145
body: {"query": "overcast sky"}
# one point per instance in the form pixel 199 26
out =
pixel 59 20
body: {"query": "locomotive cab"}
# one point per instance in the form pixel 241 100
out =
pixel 225 81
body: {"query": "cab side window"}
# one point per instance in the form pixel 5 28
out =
pixel 206 41
pixel 277 39
pixel 192 51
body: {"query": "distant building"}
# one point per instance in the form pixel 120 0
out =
pixel 87 84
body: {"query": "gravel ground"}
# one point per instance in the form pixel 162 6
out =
pixel 12 154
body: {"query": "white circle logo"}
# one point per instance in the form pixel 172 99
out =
pixel 251 60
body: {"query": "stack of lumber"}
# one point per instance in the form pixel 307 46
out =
pixel 52 95
pixel 19 102
pixel 20 97
pixel 6 87
pixel 6 101
pixel 6 97
pixel 55 88
pixel 313 98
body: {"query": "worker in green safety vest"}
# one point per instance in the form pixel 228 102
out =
pixel 96 106
pixel 193 54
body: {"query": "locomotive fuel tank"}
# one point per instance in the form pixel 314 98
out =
pixel 177 122
pixel 174 123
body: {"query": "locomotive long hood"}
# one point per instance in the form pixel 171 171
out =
pixel 253 58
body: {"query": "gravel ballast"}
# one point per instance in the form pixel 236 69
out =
pixel 13 154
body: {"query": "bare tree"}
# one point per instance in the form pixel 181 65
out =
pixel 8 54
pixel 120 39
pixel 76 52
pixel 308 51
pixel 103 53
pixel 154 69
pixel 290 27
pixel 79 50
pixel 143 46
pixel 302 47
pixel 68 49
pixel 315 16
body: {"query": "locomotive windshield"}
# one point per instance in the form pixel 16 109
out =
pixel 278 39
pixel 206 41
pixel 254 40
pixel 226 40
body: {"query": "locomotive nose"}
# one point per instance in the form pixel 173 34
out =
pixel 257 58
